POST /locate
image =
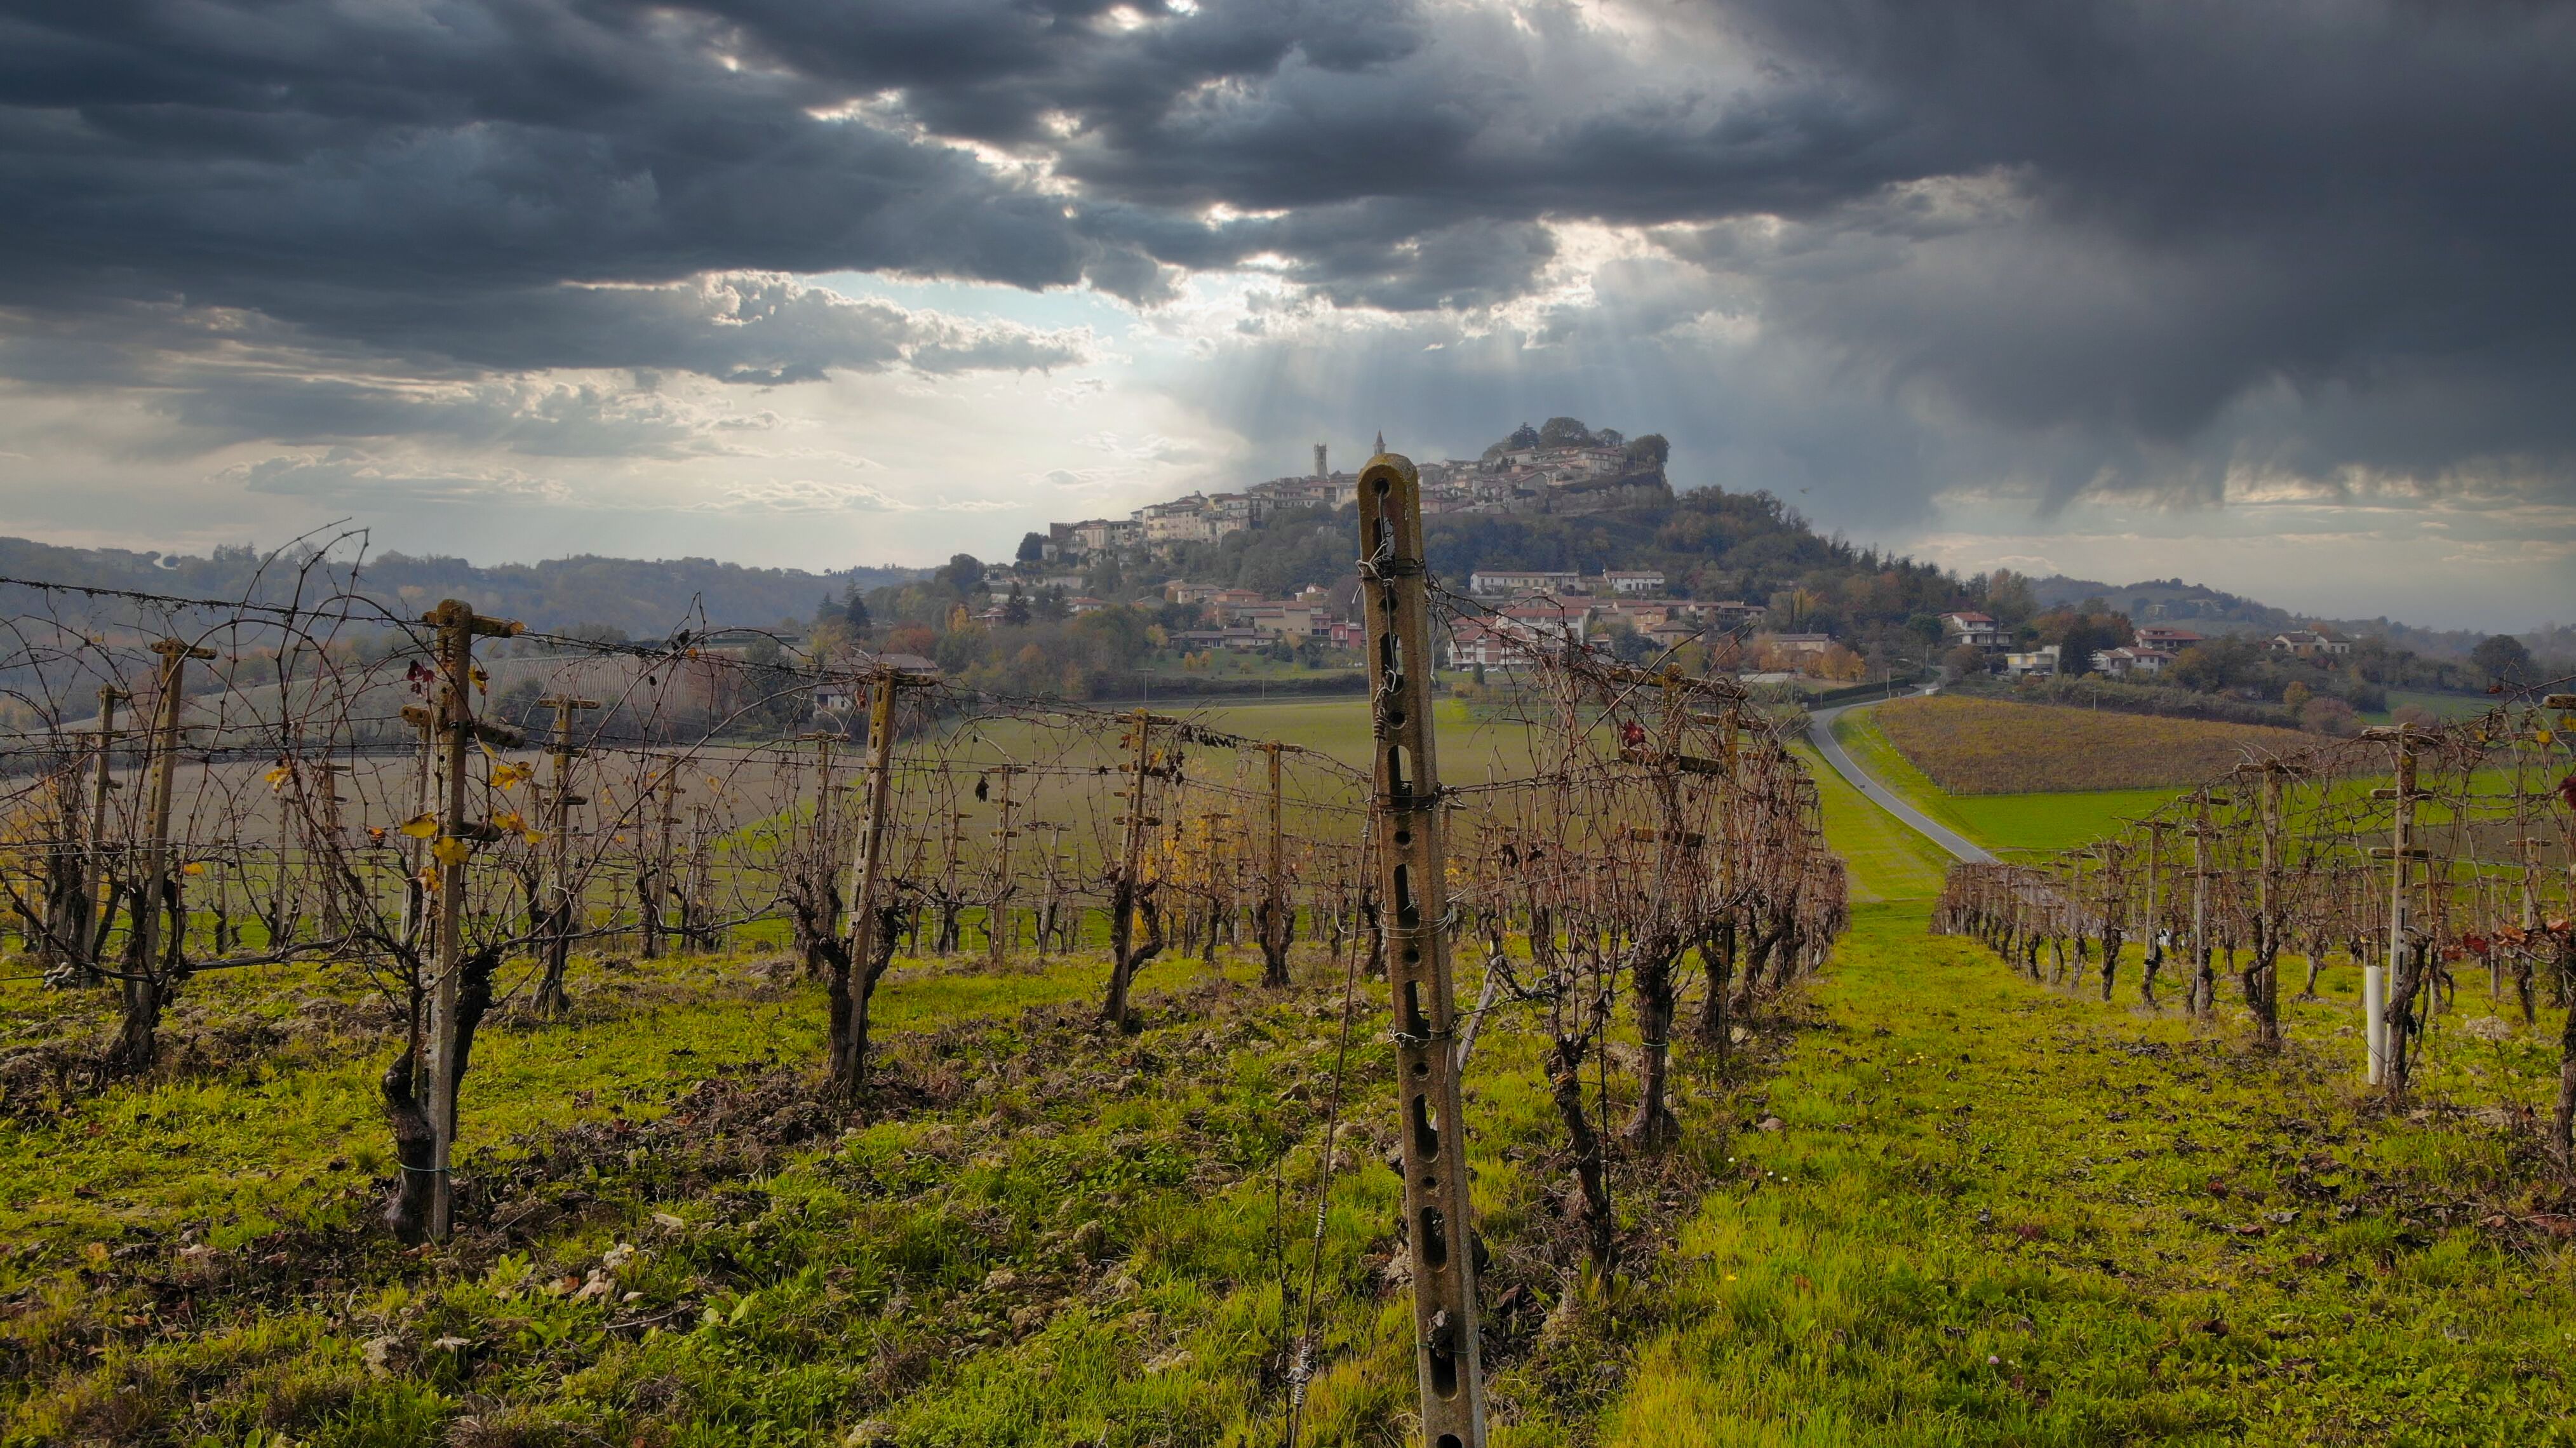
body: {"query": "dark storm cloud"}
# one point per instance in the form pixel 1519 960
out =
pixel 2133 222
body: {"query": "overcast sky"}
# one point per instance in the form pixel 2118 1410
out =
pixel 2275 297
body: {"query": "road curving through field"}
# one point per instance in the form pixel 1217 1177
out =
pixel 1820 733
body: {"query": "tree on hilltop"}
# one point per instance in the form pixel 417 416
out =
pixel 2502 657
pixel 963 572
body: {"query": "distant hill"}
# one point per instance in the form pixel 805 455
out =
pixel 642 598
pixel 2170 600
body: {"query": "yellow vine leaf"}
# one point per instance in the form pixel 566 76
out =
pixel 449 851
pixel 278 776
pixel 419 827
pixel 193 867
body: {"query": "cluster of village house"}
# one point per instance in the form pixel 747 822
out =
pixel 1522 606
pixel 2154 650
pixel 1557 480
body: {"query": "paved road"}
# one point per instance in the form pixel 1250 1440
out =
pixel 1820 732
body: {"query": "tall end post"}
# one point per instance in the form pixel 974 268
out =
pixel 1413 881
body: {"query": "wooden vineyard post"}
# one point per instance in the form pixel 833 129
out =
pixel 997 915
pixel 2154 949
pixel 1412 876
pixel 282 884
pixel 458 627
pixel 827 845
pixel 867 872
pixel 1127 891
pixel 424 776
pixel 100 910
pixel 658 893
pixel 2204 988
pixel 561 914
pixel 328 775
pixel 2267 924
pixel 2374 978
pixel 1277 913
pixel 148 907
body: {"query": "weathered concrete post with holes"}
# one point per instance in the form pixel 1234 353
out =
pixel 562 916
pixel 458 626
pixel 1412 876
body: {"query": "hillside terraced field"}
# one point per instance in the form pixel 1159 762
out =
pixel 1988 746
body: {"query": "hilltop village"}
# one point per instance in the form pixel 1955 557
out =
pixel 1575 536
pixel 1562 476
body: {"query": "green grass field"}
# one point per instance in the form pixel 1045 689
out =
pixel 1997 1213
pixel 2440 706
pixel 1927 1200
pixel 1887 860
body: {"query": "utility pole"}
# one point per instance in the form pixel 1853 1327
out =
pixel 458 626
pixel 1412 873
pixel 144 985
pixel 560 800
pixel 101 910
